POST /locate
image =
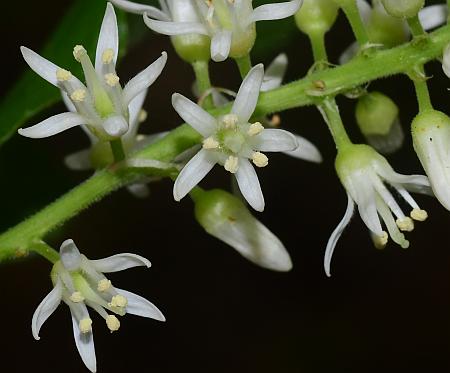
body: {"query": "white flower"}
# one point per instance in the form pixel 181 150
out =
pixel 364 173
pixel 80 282
pixel 102 107
pixel 231 141
pixel 229 23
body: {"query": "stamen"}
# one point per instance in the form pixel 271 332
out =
pixel 85 325
pixel 260 159
pixel 230 121
pixel 275 120
pixel 63 75
pixel 255 129
pixel 78 52
pixel 118 301
pixel 111 79
pixel 142 116
pixel 232 164
pixel 405 224
pixel 113 323
pixel 77 297
pixel 104 285
pixel 210 143
pixel 78 95
pixel 419 215
pixel 107 56
pixel 380 242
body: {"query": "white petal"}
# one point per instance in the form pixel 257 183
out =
pixel 248 94
pixel 52 126
pixel 140 306
pixel 115 126
pixel 275 73
pixel 120 262
pixel 275 140
pixel 134 109
pixel 268 12
pixel 200 120
pixel 349 53
pixel 79 161
pixel 433 16
pixel 85 346
pixel 306 150
pixel 365 10
pixel 220 45
pixel 364 196
pixel 40 65
pixel 137 8
pixel 175 28
pixel 194 171
pixel 249 184
pixel 144 79
pixel 49 304
pixel 68 102
pixel 334 238
pixel 108 37
pixel 70 255
pixel 139 190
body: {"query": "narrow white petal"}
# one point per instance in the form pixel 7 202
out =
pixel 134 109
pixel 79 161
pixel 220 45
pixel 275 140
pixel 200 120
pixel 365 10
pixel 49 304
pixel 269 12
pixel 137 8
pixel 433 16
pixel 249 185
pixel 70 255
pixel 115 126
pixel 364 196
pixel 175 28
pixel 306 150
pixel 120 262
pixel 248 94
pixel 140 306
pixel 194 171
pixel 40 65
pixel 334 238
pixel 139 190
pixel 275 73
pixel 144 79
pixel 53 125
pixel 85 345
pixel 68 102
pixel 108 37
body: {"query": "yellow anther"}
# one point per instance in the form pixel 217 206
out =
pixel 255 129
pixel 419 215
pixel 405 224
pixel 118 301
pixel 76 297
pixel 85 325
pixel 232 164
pixel 78 95
pixel 107 56
pixel 104 285
pixel 275 121
pixel 230 121
pixel 260 159
pixel 381 241
pixel 113 323
pixel 78 52
pixel 142 116
pixel 210 143
pixel 63 75
pixel 111 79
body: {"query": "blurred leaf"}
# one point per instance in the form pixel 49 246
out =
pixel 31 94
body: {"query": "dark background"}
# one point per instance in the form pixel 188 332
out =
pixel 382 311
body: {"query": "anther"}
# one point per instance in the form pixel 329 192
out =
pixel 260 159
pixel 419 215
pixel 142 116
pixel 78 95
pixel 230 121
pixel 210 143
pixel 78 52
pixel 118 301
pixel 255 129
pixel 77 297
pixel 111 79
pixel 63 75
pixel 113 323
pixel 405 224
pixel 275 121
pixel 381 241
pixel 107 56
pixel 104 285
pixel 85 325
pixel 232 164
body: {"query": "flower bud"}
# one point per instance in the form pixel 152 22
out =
pixel 446 61
pixel 316 16
pixel 377 118
pixel 225 217
pixel 403 8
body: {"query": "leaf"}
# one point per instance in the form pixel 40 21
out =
pixel 31 94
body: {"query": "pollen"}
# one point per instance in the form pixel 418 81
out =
pixel 405 224
pixel 230 121
pixel 260 159
pixel 142 116
pixel 118 301
pixel 113 323
pixel 85 325
pixel 232 164
pixel 77 297
pixel 111 79
pixel 255 129
pixel 210 143
pixel 381 241
pixel 419 215
pixel 63 75
pixel 78 52
pixel 104 285
pixel 107 56
pixel 78 95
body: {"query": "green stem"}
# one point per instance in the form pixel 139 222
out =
pixel 201 70
pixel 318 46
pixel 354 17
pixel 46 251
pixel 415 26
pixel 422 92
pixel 332 117
pixel 244 65
pixel 117 150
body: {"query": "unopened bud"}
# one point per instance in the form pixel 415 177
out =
pixel 316 16
pixel 403 8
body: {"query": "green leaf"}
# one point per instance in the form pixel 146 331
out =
pixel 31 94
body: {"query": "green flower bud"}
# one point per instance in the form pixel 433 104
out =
pixel 316 16
pixel 192 47
pixel 403 8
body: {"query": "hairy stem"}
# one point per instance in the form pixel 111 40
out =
pixel 201 70
pixel 359 30
pixel 244 65
pixel 117 150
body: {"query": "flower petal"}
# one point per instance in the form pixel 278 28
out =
pixel 433 16
pixel 140 306
pixel 349 53
pixel 220 45
pixel 248 94
pixel 53 125
pixel 68 102
pixel 115 126
pixel 334 238
pixel 275 73
pixel 269 12
pixel 79 161
pixel 120 262
pixel 85 346
pixel 70 255
pixel 139 190
pixel 194 171
pixel 275 140
pixel 137 8
pixel 306 150
pixel 108 37
pixel 249 184
pixel 134 109
pixel 200 120
pixel 144 79
pixel 175 28
pixel 40 65
pixel 363 194
pixel 49 304
pixel 365 10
